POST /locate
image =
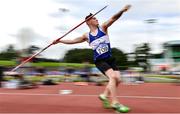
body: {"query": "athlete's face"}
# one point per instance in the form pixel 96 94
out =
pixel 93 21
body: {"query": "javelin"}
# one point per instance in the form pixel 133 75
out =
pixel 28 59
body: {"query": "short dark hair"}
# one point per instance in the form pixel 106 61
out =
pixel 88 16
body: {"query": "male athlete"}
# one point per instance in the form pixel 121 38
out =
pixel 98 39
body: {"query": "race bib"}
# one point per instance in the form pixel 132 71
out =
pixel 103 48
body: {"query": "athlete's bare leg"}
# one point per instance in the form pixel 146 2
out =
pixel 107 91
pixel 111 88
pixel 119 77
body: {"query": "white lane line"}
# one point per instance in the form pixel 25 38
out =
pixel 79 95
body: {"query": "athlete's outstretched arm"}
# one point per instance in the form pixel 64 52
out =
pixel 115 17
pixel 74 41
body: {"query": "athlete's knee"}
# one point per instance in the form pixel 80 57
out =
pixel 113 76
pixel 118 82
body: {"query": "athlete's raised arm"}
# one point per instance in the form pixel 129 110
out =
pixel 115 17
pixel 74 41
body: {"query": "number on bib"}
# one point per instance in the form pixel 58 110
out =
pixel 102 49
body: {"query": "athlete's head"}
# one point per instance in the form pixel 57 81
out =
pixel 91 21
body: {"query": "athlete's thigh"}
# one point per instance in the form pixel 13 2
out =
pixel 112 62
pixel 110 73
pixel 103 66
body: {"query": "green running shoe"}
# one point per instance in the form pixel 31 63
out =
pixel 105 101
pixel 120 108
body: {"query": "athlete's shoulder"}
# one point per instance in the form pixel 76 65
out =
pixel 85 35
pixel 103 29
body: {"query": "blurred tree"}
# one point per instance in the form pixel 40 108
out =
pixel 142 54
pixel 121 58
pixel 78 56
pixel 84 55
pixel 31 49
pixel 10 49
pixel 9 54
pixel 159 55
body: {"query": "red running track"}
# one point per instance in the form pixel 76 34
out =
pixel 143 98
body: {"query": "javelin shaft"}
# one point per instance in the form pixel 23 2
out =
pixel 28 59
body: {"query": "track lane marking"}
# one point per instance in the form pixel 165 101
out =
pixel 81 95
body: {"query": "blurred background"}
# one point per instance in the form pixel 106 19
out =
pixel 145 40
